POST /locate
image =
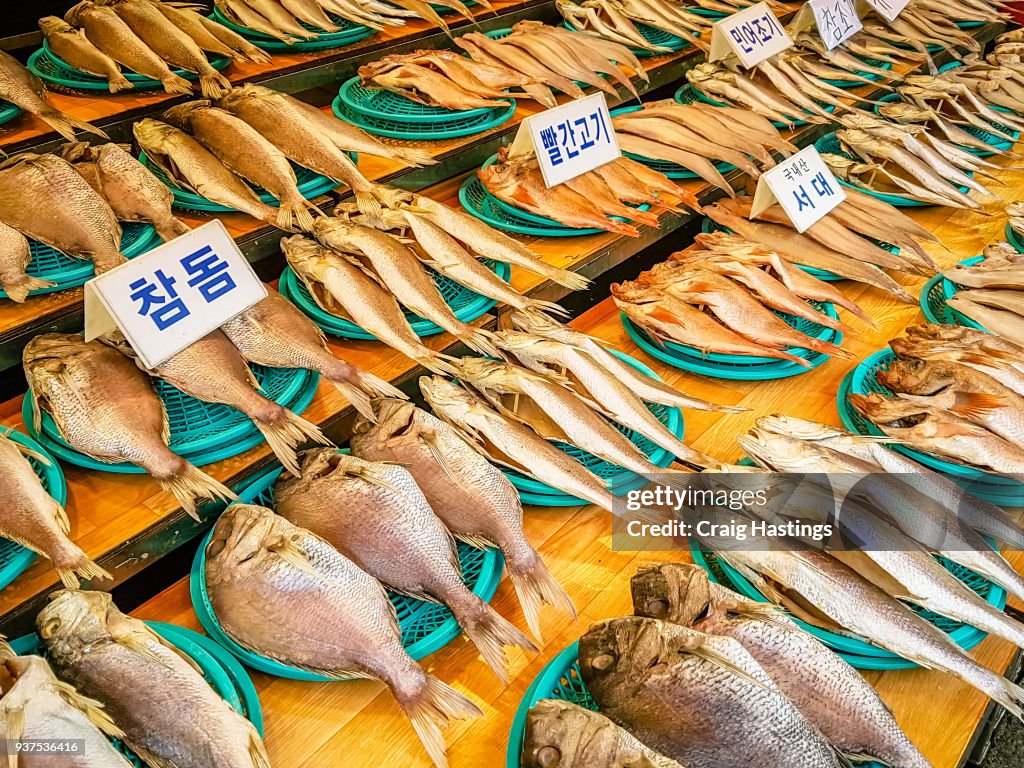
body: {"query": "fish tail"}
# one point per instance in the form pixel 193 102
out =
pixel 416 157
pixel 479 341
pixel 19 290
pixel 172 228
pixel 431 709
pixel 65 124
pixel 539 307
pixel 177 84
pixel 214 85
pixel 490 633
pixel 359 387
pixel 564 277
pixel 368 203
pixel 536 586
pixel 119 83
pixel 80 565
pixel 258 751
pixel 190 485
pixel 437 364
pixel 285 432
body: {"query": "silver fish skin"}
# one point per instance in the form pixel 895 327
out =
pixel 473 498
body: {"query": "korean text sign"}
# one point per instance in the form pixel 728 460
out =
pixel 837 21
pixel 572 139
pixel 803 185
pixel 890 9
pixel 174 295
pixel 753 34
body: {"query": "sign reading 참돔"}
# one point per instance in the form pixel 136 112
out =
pixel 173 295
pixel 753 34
pixel 803 185
pixel 569 140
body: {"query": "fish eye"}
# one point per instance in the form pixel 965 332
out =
pixel 657 607
pixel 603 662
pixel 548 757
pixel 49 629
pixel 215 547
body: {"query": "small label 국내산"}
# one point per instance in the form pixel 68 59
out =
pixel 803 185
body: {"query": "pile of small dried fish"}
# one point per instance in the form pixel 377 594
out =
pixel 251 135
pixel 994 295
pixel 959 394
pixel 617 20
pixel 443 79
pixel 966 10
pixel 23 89
pixel 146 37
pixel 719 302
pixel 920 26
pixel 859 55
pixel 589 200
pixel 839 242
pixel 32 517
pixel 155 696
pixel 283 592
pixel 695 135
pixel 556 58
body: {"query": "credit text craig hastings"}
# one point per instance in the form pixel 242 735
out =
pixel 669 514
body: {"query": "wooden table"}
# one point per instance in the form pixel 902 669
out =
pixel 358 723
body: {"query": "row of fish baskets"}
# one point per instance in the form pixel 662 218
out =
pixel 348 33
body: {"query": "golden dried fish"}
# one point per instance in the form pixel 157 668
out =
pixel 15 256
pixel 213 37
pixel 72 46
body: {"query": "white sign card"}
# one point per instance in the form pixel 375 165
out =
pixel 753 34
pixel 837 20
pixel 172 296
pixel 569 140
pixel 803 185
pixel 890 9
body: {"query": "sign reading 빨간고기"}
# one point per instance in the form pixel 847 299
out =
pixel 569 140
pixel 173 295
pixel 803 185
pixel 753 34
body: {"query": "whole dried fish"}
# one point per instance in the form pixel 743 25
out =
pixel 72 46
pixel 15 256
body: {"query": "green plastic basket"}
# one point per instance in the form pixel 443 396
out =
pixel 949 290
pixel 998 143
pixel 688 93
pixel 50 264
pixel 384 113
pixel 829 144
pixel 672 170
pixel 225 675
pixel 8 111
pixel 620 481
pixel 464 303
pixel 201 432
pixel 48 66
pixel 14 558
pixel 1014 239
pixel 476 200
pixel 652 35
pixel 859 653
pixel 310 184
pixel 350 33
pixel 426 627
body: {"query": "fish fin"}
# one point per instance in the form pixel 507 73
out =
pixel 258 751
pixel 177 84
pixel 490 632
pixel 65 124
pixel 119 83
pixel 15 720
pixel 136 641
pixel 539 306
pixel 284 436
pixel 416 157
pixel 18 291
pixel 153 761
pixel 476 540
pixel 373 477
pixel 294 555
pixel 91 708
pixel 430 440
pixel 172 229
pixel 366 386
pixel 214 85
pixel 479 341
pixel 192 485
pixel 368 203
pixel 535 587
pixel 432 708
pixel 975 405
pixel 1012 698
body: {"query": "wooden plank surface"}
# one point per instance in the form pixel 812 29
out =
pixel 313 724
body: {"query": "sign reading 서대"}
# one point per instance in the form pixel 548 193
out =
pixel 803 185
pixel 569 140
pixel 173 295
pixel 753 34
pixel 890 9
pixel 837 21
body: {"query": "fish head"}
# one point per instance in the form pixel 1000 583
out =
pixel 906 374
pixel 559 734
pixel 802 429
pixel 778 452
pixel 632 292
pixel 50 349
pixel 77 12
pixel 675 592
pixel 531 350
pixel 52 25
pixel 240 541
pixel 152 135
pixel 541 325
pixel 393 418
pixel 484 373
pixel 614 654
pixel 74 620
pixel 180 115
pixel 502 175
pixel 449 399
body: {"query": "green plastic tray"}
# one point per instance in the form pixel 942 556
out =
pixel 621 481
pixel 201 432
pixel 384 113
pixel 48 66
pixel 465 304
pixel 66 272
pixel 310 184
pixel 688 93
pixel 8 111
pixel 225 675
pixel 949 290
pixel 350 33
pixel 426 627
pixel 1014 239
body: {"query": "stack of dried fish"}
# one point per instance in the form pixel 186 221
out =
pixel 859 55
pixel 23 89
pixel 590 199
pixel 959 394
pixel 995 291
pixel 920 27
pixel 966 10
pixel 693 135
pixel 617 20
pixel 146 37
pixel 998 84
pixel 720 302
pixel 556 58
pixel 443 79
pixel 950 126
pixel 729 7
pixel 838 242
pixel 251 134
pixel 905 159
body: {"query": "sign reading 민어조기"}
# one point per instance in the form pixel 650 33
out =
pixel 753 34
pixel 569 140
pixel 803 185
pixel 174 295
pixel 837 20
pixel 890 9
